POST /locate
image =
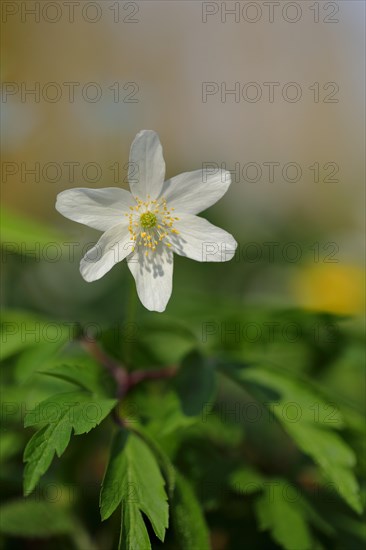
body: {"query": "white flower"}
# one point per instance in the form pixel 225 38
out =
pixel 147 225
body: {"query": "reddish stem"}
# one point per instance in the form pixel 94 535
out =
pixel 125 380
pixel 117 371
pixel 138 376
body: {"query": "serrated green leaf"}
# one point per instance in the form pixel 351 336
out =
pixel 31 518
pixel 79 409
pixel 298 402
pixel 334 457
pixel 133 530
pixel 133 475
pixel 40 451
pixel 188 520
pixel 195 383
pixel 166 466
pixel 283 517
pixel 59 415
pixel 305 417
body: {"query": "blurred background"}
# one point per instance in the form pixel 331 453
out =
pixel 103 71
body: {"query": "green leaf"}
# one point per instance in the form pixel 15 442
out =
pixel 164 412
pixel 166 466
pixel 35 359
pixel 133 530
pixel 334 457
pixel 283 517
pixel 315 518
pixel 298 402
pixel 133 476
pixel 212 427
pixel 32 518
pixel 163 419
pixel 59 416
pixel 87 375
pixel 310 421
pixel 246 481
pixel 195 383
pixel 188 520
pixel 161 342
pixel 351 526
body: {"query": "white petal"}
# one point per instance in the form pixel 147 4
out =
pixel 153 275
pixel 199 240
pixel 147 166
pixel 113 246
pixel 97 208
pixel 193 192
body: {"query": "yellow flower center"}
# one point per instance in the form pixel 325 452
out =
pixel 148 220
pixel 150 223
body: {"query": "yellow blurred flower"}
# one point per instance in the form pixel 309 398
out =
pixel 336 288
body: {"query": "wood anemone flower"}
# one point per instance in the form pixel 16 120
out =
pixel 147 225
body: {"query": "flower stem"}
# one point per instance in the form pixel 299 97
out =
pixel 138 376
pixel 125 380
pixel 115 369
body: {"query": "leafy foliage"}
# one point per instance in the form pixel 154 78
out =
pixel 86 374
pixel 188 520
pixel 310 421
pixel 195 396
pixel 133 531
pixel 239 445
pixel 284 518
pixel 58 416
pixel 133 479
